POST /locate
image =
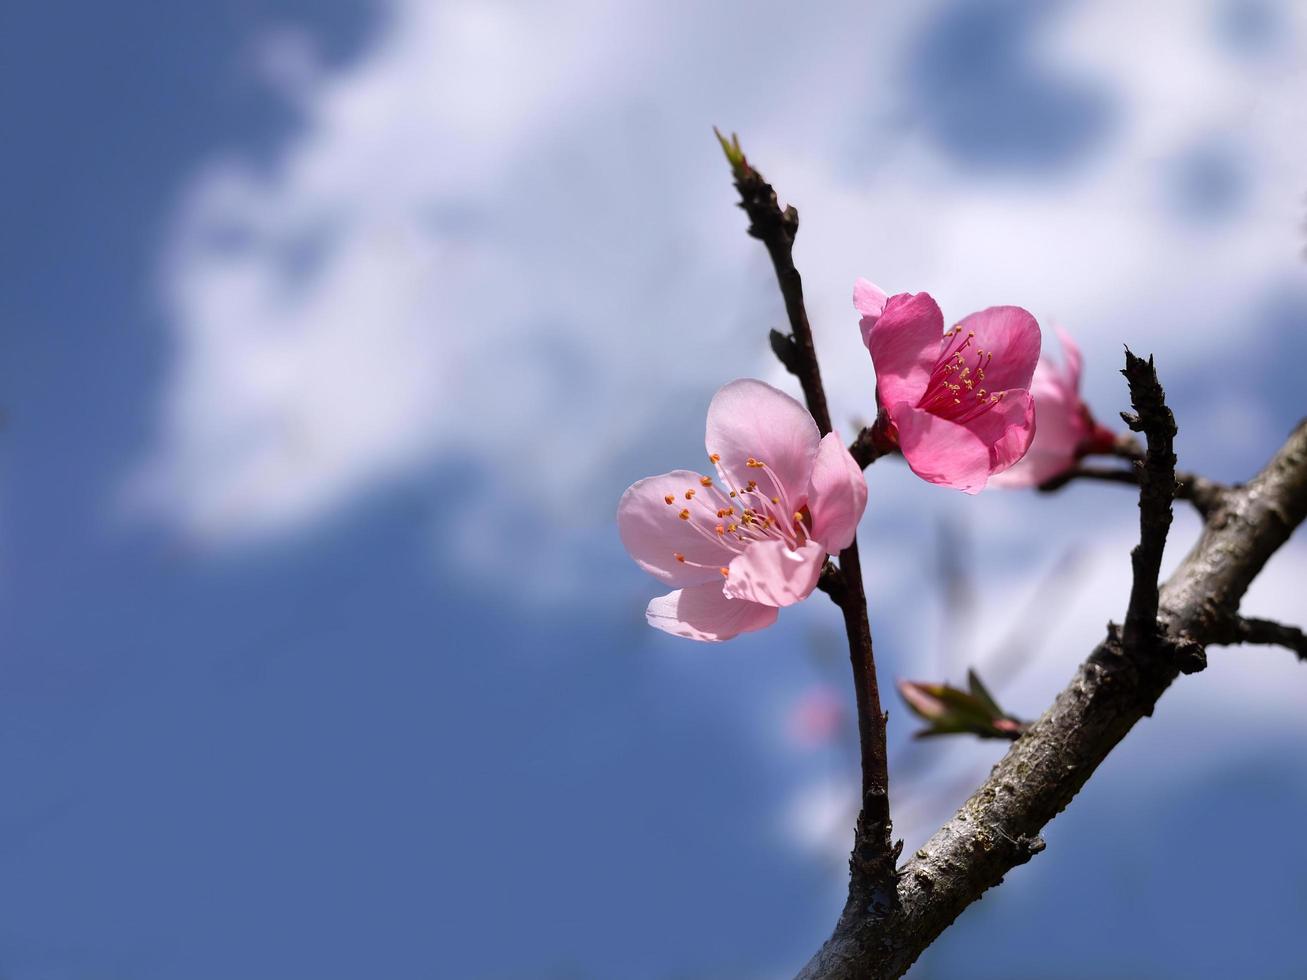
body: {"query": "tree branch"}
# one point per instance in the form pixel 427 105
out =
pixel 872 861
pixel 998 828
pixel 1156 491
pixel 1205 495
pixel 1263 631
pixel 871 443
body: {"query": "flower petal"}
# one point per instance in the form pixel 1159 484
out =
pixel 1012 335
pixel 868 298
pixel 1071 358
pixel 748 418
pixel 940 451
pixel 837 495
pixel 702 612
pixel 654 534
pixel 904 343
pixel 770 573
pixel 1060 428
pixel 1013 419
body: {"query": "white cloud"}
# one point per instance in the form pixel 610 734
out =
pixel 502 236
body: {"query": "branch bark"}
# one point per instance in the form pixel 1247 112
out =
pixel 874 855
pixel 1204 494
pixel 1265 632
pixel 998 828
pixel 1156 491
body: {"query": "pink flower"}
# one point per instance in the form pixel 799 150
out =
pixel 957 403
pixel 1067 430
pixel 754 538
pixel 817 717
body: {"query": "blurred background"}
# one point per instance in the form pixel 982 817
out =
pixel 332 332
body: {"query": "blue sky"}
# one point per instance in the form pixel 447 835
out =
pixel 331 334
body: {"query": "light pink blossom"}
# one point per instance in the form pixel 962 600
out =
pixel 817 717
pixel 1067 430
pixel 739 545
pixel 957 404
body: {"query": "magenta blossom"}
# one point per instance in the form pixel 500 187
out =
pixel 1067 430
pixel 740 545
pixel 957 404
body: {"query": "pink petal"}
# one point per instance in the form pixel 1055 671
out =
pixel 837 495
pixel 653 533
pixel 940 451
pixel 904 344
pixel 1057 435
pixel 749 419
pixel 770 573
pixel 702 612
pixel 868 298
pixel 1034 468
pixel 1014 420
pixel 1071 358
pixel 1050 383
pixel 1012 336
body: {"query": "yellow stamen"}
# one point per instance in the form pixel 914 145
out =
pixel 679 557
pixel 714 458
pixel 689 494
pixel 706 480
pixel 684 515
pixel 669 498
pixel 725 571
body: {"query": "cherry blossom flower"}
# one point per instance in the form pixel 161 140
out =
pixel 740 544
pixel 1067 430
pixel 957 404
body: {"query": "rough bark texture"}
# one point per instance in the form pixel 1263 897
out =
pixel 998 827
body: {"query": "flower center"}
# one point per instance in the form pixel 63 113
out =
pixel 734 517
pixel 956 390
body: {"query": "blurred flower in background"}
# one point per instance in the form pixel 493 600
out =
pixel 818 717
pixel 1067 428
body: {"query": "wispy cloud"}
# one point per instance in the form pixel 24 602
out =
pixel 501 239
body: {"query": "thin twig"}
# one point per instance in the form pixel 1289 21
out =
pixel 871 443
pixel 1247 629
pixel 1156 491
pixel 776 229
pixel 873 857
pixel 1205 495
